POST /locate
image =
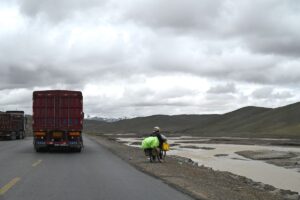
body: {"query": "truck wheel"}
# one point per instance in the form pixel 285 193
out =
pixel 37 149
pixel 13 136
pixel 78 150
pixel 18 135
pixel 22 135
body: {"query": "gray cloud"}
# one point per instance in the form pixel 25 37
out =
pixel 148 57
pixel 268 92
pixel 174 14
pixel 238 65
pixel 269 27
pixel 16 99
pixel 56 10
pixel 221 89
pixel 20 77
pixel 161 53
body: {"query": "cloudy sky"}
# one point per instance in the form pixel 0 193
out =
pixel 143 57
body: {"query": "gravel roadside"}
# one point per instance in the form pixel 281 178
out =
pixel 197 181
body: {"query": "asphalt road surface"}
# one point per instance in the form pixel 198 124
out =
pixel 93 174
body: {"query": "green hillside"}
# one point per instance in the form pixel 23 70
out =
pixel 282 122
pixel 173 124
pixel 230 121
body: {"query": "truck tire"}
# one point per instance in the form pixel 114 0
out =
pixel 78 150
pixel 18 135
pixel 37 149
pixel 13 136
pixel 22 135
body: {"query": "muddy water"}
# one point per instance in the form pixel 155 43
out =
pixel 259 171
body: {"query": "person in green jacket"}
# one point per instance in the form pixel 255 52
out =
pixel 150 146
pixel 161 138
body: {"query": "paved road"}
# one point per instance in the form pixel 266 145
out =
pixel 94 174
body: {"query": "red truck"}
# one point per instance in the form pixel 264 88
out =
pixel 57 119
pixel 12 125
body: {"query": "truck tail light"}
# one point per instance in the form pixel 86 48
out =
pixel 39 134
pixel 74 133
pixel 57 134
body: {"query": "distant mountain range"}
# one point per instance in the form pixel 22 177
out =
pixel 103 119
pixel 282 122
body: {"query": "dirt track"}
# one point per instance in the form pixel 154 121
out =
pixel 198 181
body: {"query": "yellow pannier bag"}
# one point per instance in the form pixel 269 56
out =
pixel 165 146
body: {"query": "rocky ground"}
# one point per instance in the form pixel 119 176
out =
pixel 198 181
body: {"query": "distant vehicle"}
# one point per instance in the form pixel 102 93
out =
pixel 57 119
pixel 12 125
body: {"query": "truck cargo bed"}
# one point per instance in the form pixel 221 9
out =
pixel 12 125
pixel 57 118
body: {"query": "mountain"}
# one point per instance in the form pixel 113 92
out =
pixel 176 123
pixel 103 119
pixel 231 122
pixel 282 122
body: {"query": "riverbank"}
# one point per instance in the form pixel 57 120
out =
pixel 198 181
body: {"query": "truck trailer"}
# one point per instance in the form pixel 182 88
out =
pixel 57 120
pixel 12 125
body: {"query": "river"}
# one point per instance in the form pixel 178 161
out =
pixel 228 160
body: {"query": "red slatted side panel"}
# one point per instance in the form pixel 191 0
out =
pixel 75 112
pixel 57 110
pixel 64 112
pixel 16 122
pixel 50 112
pixel 39 111
pixel 5 122
pixel 70 116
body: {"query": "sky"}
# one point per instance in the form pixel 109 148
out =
pixel 144 57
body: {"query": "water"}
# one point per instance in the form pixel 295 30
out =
pixel 256 170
